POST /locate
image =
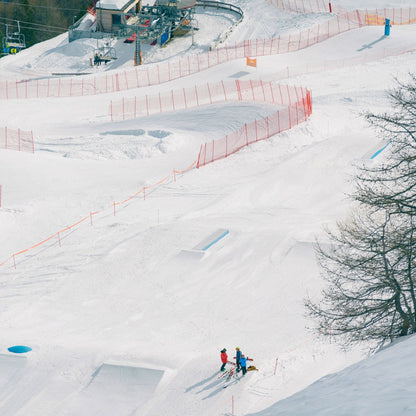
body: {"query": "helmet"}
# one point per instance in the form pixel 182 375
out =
pixel 237 348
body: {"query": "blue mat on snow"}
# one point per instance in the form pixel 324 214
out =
pixel 19 349
pixel 212 239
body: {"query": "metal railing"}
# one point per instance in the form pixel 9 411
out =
pixel 224 6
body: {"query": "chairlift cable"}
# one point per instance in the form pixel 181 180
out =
pixel 32 24
pixel 37 28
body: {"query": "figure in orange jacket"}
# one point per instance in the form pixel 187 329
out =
pixel 224 358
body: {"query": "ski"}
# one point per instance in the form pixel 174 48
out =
pixel 227 372
pixel 234 380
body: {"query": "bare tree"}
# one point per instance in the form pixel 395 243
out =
pixel 369 268
pixel 370 264
pixel 392 183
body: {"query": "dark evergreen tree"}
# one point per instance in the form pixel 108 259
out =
pixel 41 19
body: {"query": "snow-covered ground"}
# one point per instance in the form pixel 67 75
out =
pixel 122 316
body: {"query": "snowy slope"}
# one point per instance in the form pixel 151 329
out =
pixel 115 309
pixel 382 385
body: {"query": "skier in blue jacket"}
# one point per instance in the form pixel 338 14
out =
pixel 243 363
pixel 238 358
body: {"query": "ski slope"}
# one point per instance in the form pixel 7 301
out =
pixel 113 310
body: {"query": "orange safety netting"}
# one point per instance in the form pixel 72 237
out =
pixel 16 140
pixel 58 234
pixel 156 74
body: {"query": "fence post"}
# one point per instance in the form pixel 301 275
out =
pixel 330 7
pixel 209 91
pixel 199 156
pixel 275 367
pixel 262 87
pixel 184 97
pixel 223 88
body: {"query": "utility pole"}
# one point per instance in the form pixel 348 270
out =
pixel 137 52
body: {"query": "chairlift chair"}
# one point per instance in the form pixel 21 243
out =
pixel 13 42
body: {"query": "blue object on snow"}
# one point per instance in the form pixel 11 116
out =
pixel 212 239
pixel 387 28
pixel 19 349
pixel 379 151
pixel 222 235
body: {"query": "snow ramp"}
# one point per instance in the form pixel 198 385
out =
pixel 11 368
pixel 116 390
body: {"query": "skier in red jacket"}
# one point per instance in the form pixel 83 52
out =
pixel 224 358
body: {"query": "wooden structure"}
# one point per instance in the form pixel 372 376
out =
pixel 112 15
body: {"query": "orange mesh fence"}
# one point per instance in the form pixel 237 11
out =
pixel 16 140
pixel 297 100
pixel 200 95
pixel 115 204
pixel 299 108
pixel 156 74
pixel 396 16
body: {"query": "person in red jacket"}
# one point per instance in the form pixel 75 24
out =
pixel 224 358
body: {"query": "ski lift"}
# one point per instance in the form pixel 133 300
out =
pixel 104 54
pixel 13 42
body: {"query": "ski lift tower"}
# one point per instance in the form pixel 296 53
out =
pixel 156 24
pixel 13 42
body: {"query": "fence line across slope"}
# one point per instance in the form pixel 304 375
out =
pixel 156 74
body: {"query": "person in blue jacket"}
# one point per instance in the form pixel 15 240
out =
pixel 238 358
pixel 243 363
